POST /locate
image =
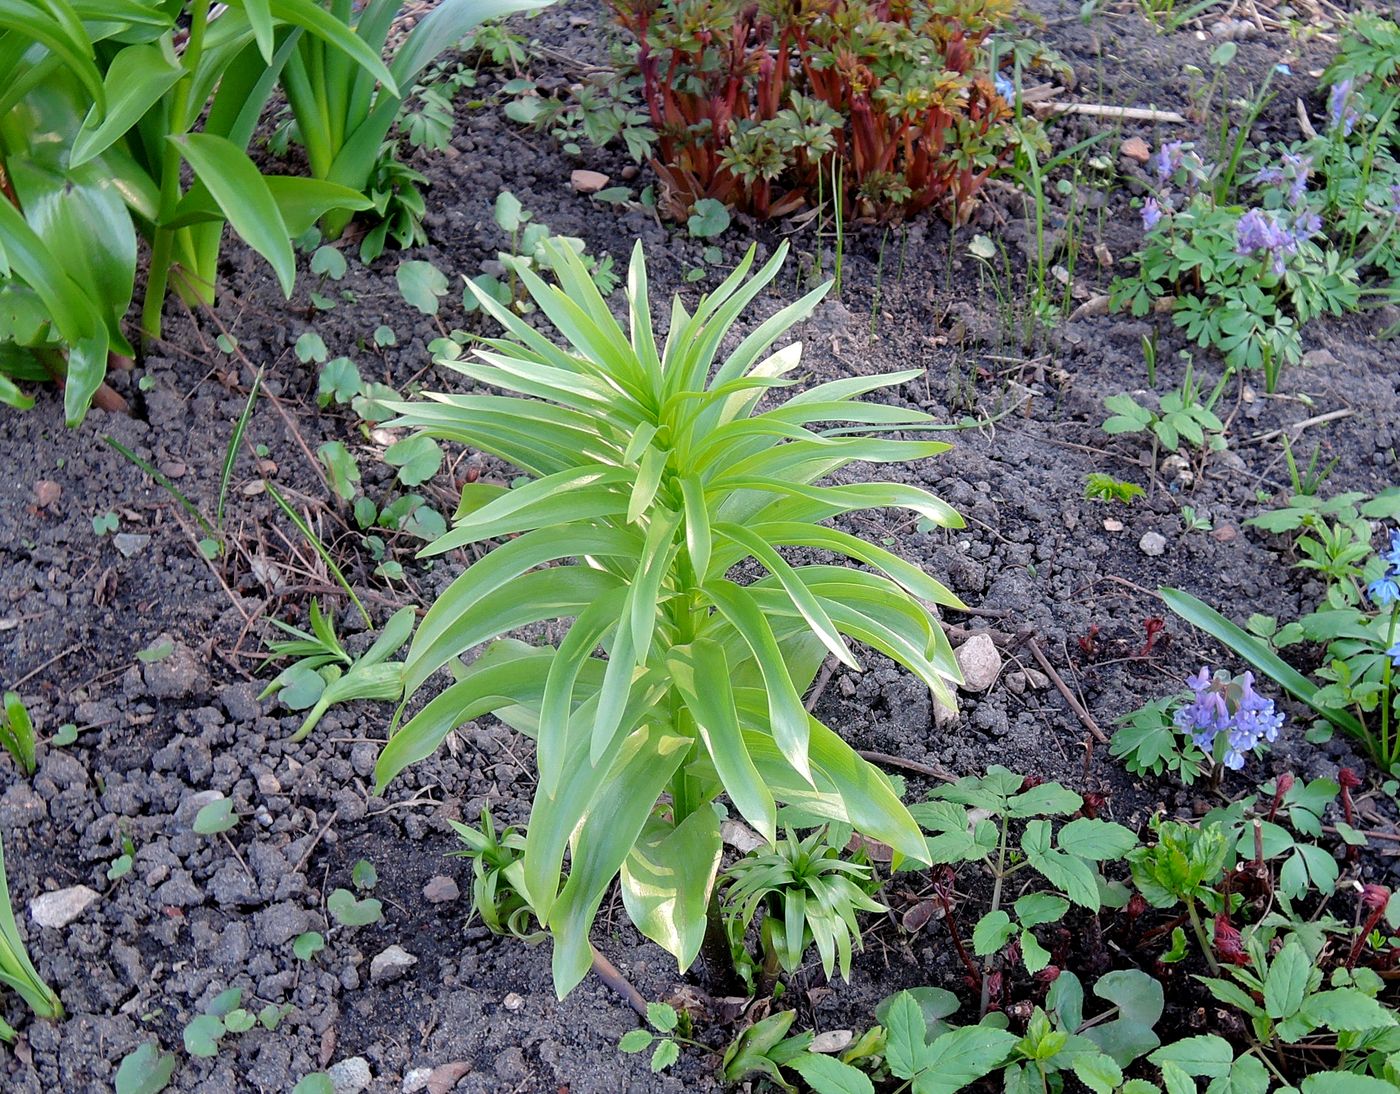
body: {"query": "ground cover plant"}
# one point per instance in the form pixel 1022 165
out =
pixel 883 109
pixel 501 666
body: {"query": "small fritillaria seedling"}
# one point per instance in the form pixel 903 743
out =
pixel 807 893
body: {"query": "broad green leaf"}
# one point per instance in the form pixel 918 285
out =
pixel 242 193
pixel 905 1045
pixel 1287 981
pixel 1207 1055
pixel 992 932
pixel 1033 909
pixel 421 283
pixel 609 830
pixel 145 1070
pixel 667 879
pixel 137 77
pixel 828 1075
pixel 417 458
pixel 697 677
pixel 962 1056
pixel 1098 840
pixel 1067 873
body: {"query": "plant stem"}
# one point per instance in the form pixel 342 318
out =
pixel 162 243
pixel 1000 875
pixel 1387 698
pixel 1201 936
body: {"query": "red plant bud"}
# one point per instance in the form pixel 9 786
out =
pixel 1228 944
pixel 1374 898
pixel 1136 906
pixel 1048 975
pixel 1093 802
pixel 473 473
pixel 1348 778
pixel 1285 783
pixel 1030 782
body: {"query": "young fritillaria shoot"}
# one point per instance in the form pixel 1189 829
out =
pixel 654 475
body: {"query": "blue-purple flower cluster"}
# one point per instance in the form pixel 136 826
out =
pixel 1385 590
pixel 1168 160
pixel 1341 115
pixel 1278 233
pixel 1222 704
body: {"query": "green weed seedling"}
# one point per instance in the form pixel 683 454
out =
pixel 17 971
pixel 17 732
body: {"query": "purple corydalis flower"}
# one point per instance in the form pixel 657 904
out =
pixel 1299 167
pixel 1340 114
pixel 1221 704
pixel 1151 214
pixel 1259 231
pixel 1394 654
pixel 1166 161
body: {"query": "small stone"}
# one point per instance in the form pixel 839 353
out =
pixel 1016 683
pixel 1036 679
pixel 1135 149
pixel 416 1080
pixel 513 1002
pixel 833 1040
pixel 447 1076
pixel 46 493
pixel 191 804
pixel 1111 525
pixel 980 662
pixel 175 676
pixel 587 182
pixel 390 965
pixel 350 1076
pixel 61 907
pixel 1226 533
pixel 130 544
pixel 268 783
pixel 944 717
pixel 1319 358
pixel 440 890
pixel 1153 544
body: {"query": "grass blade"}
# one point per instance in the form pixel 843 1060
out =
pixel 315 542
pixel 1202 615
pixel 161 481
pixel 231 454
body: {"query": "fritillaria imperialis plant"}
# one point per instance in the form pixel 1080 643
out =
pixel 656 481
pixel 766 106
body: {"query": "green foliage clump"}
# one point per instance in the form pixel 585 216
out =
pixel 654 468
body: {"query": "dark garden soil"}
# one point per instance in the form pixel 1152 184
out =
pixel 199 914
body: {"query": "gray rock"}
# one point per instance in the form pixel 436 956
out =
pixel 180 891
pixel 177 676
pixel 281 923
pixel 440 890
pixel 62 906
pixel 1153 544
pixel 129 544
pixel 416 1080
pixel 350 1076
pixel 190 806
pixel 980 662
pixel 241 702
pixel 390 965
